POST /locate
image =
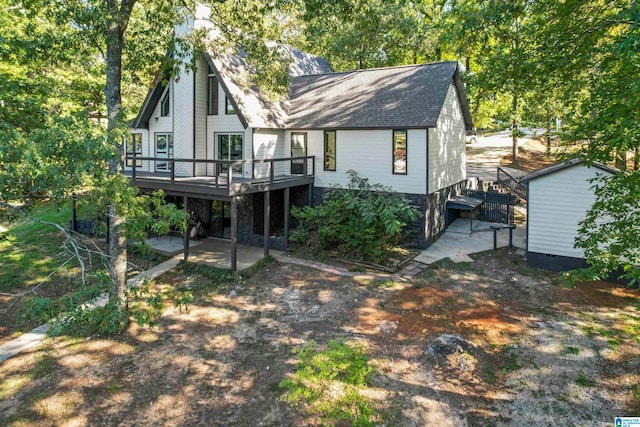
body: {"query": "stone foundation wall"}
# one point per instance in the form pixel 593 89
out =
pixel 426 230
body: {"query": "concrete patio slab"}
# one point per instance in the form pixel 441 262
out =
pixel 457 243
pixel 217 253
pixel 170 245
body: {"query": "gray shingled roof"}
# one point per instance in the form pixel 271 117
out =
pixel 253 108
pixel 394 97
pixel 548 170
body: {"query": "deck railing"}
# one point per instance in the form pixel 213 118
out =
pixel 512 183
pixel 222 168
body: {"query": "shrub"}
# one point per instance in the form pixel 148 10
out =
pixel 363 220
pixel 327 383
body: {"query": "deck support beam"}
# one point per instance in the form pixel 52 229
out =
pixel 286 218
pixel 234 233
pixel 267 220
pixel 310 195
pixel 186 232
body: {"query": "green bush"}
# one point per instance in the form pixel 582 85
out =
pixel 327 383
pixel 363 220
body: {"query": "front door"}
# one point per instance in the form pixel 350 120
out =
pixel 298 149
pixel 229 147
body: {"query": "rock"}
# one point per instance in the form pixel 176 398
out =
pixel 387 327
pixel 452 353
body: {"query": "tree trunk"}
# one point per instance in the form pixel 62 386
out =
pixel 116 25
pixel 514 128
pixel 547 133
pixel 636 159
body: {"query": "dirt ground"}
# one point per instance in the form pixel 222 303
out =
pixel 532 155
pixel 540 353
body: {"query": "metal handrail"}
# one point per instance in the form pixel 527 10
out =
pixel 229 163
pixel 512 183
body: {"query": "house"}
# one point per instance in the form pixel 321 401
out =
pixel 238 161
pixel 559 198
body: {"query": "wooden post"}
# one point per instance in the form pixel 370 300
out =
pixel 286 218
pixel 73 212
pixel 234 233
pixel 267 219
pixel 310 195
pixel 186 234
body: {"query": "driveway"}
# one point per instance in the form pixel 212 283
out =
pixel 484 155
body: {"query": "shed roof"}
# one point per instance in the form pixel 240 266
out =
pixel 548 170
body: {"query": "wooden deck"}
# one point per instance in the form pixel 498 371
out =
pixel 221 186
pixel 214 187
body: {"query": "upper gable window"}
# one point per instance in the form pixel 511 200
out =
pixel 400 151
pixel 212 94
pixel 164 104
pixel 228 106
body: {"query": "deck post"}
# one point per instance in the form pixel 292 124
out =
pixel 286 218
pixel 267 219
pixel 234 233
pixel 310 195
pixel 186 233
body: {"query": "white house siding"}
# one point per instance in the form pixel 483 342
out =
pixel 268 144
pixel 183 121
pixel 369 152
pixel 201 115
pixel 447 156
pixel 557 203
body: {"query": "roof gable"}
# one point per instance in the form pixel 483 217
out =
pixel 558 167
pixel 393 97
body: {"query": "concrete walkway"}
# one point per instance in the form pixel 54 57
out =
pixel 457 242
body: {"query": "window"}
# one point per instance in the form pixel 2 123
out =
pixel 164 105
pixel 298 149
pixel 400 151
pixel 212 95
pixel 228 107
pixel 164 150
pixel 230 148
pixel 330 150
pixel 133 147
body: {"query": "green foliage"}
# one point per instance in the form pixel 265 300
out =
pixel 610 233
pixel 584 381
pixel 327 383
pixel 364 220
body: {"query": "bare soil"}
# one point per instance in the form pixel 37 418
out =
pixel 539 353
pixel 532 155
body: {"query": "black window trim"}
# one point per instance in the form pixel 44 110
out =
pixel 335 151
pixel 164 99
pixel 406 152
pixel 212 107
pixel 227 105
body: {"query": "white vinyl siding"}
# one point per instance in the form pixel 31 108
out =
pixel 369 152
pixel 269 144
pixel 201 116
pixel 447 155
pixel 183 121
pixel 557 204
